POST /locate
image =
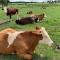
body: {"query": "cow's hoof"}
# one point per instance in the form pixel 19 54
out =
pixel 28 57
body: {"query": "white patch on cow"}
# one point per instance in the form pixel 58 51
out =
pixel 5 9
pixel 12 37
pixel 46 39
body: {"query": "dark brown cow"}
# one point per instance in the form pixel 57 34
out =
pixel 10 11
pixel 23 44
pixel 26 20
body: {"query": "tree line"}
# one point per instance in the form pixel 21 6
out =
pixel 4 3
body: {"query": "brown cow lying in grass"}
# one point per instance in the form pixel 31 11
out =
pixel 39 17
pixel 22 43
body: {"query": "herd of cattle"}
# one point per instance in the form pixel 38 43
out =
pixel 25 20
pixel 23 43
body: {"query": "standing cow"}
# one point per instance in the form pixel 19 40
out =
pixel 10 11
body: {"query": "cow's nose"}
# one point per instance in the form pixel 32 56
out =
pixel 41 37
pixel 52 45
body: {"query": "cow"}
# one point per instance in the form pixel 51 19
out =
pixel 25 20
pixel 10 11
pixel 22 43
pixel 30 12
pixel 39 17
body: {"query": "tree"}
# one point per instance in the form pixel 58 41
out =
pixel 4 3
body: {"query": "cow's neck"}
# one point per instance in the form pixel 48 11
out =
pixel 30 39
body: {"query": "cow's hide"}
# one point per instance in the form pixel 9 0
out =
pixel 10 11
pixel 12 37
pixel 24 21
pixel 8 30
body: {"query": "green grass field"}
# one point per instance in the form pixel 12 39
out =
pixel 51 23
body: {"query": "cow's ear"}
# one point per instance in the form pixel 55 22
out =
pixel 38 29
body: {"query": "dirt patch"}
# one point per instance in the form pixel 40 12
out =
pixel 4 21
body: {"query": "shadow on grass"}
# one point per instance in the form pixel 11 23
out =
pixel 38 57
pixel 14 57
pixel 9 57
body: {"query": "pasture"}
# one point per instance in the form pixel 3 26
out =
pixel 51 23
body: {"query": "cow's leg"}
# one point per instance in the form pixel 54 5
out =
pixel 25 55
pixel 35 20
pixel 10 16
pixel 28 56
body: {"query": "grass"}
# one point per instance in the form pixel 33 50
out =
pixel 51 23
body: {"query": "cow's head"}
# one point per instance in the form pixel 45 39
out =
pixel 42 15
pixel 46 39
pixel 38 35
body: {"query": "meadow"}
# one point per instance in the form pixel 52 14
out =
pixel 51 23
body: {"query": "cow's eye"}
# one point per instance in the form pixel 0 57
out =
pixel 40 31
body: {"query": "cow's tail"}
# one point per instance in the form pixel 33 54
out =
pixel 17 11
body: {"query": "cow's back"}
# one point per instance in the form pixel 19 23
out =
pixel 11 11
pixel 25 20
pixel 3 41
pixel 4 44
pixel 8 30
